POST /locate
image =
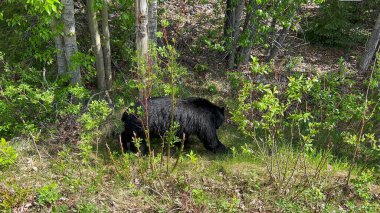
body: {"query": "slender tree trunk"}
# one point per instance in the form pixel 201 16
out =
pixel 152 22
pixel 61 60
pixel 106 45
pixel 142 33
pixel 96 44
pixel 142 27
pixel 249 29
pixel 60 48
pixel 70 39
pixel 370 47
pixel 244 52
pixel 237 13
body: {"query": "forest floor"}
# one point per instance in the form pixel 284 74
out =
pixel 52 178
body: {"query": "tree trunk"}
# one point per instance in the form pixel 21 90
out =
pixel 370 47
pixel 61 60
pixel 231 28
pixel 141 28
pixel 106 45
pixel 96 44
pixel 142 34
pixel 70 39
pixel 152 22
pixel 60 48
pixel 243 52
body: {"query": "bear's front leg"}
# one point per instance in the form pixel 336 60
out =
pixel 211 142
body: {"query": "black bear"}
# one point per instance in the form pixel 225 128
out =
pixel 196 116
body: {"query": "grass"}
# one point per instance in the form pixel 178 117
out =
pixel 236 182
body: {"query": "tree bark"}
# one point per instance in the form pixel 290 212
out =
pixel 370 47
pixel 142 33
pixel 249 28
pixel 61 60
pixel 60 48
pixel 141 27
pixel 96 45
pixel 70 39
pixel 244 52
pixel 152 22
pixel 234 11
pixel 106 45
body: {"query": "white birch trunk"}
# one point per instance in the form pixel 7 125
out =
pixel 106 45
pixel 70 39
pixel 142 34
pixel 142 27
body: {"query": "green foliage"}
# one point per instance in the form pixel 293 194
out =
pixel 212 88
pixel 92 120
pixel 48 194
pixel 87 208
pixel 314 195
pixel 231 206
pixel 32 18
pixel 361 185
pixel 199 196
pixel 303 114
pixel 338 104
pixel 201 68
pixel 60 209
pixel 47 102
pixel 235 79
pixel 86 61
pixel 13 196
pixel 122 28
pixel 337 24
pixel 192 156
pixel 363 207
pixel 8 154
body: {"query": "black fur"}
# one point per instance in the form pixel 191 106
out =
pixel 196 116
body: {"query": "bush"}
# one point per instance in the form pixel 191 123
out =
pixel 336 25
pixel 48 194
pixel 310 113
pixel 8 154
pixel 28 101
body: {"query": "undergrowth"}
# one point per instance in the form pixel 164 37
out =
pixel 299 147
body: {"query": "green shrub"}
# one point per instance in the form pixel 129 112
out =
pixel 336 25
pixel 310 113
pixel 361 185
pixel 48 194
pixel 8 154
pixel 46 102
pixel 92 120
pixel 87 208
